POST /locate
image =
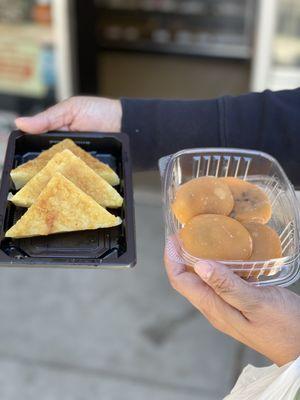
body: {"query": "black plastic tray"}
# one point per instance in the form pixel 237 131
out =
pixel 101 248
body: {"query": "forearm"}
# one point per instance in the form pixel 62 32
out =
pixel 160 127
pixel 268 121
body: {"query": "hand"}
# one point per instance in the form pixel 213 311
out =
pixel 266 319
pixel 76 114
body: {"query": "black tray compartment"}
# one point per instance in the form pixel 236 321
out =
pixel 102 248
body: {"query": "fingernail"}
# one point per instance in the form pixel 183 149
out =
pixel 204 270
pixel 20 120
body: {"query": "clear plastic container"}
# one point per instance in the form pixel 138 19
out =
pixel 255 167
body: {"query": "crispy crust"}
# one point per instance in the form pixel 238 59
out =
pixel 78 172
pixel 62 207
pixel 22 174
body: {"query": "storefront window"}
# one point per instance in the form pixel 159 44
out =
pixel 286 46
pixel 27 52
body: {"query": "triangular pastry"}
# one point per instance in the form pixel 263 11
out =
pixel 23 173
pixel 62 207
pixel 78 172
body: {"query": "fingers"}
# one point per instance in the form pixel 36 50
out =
pixel 56 117
pixel 186 283
pixel 183 281
pixel 229 286
pixel 220 314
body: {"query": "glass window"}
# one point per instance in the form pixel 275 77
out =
pixel 286 45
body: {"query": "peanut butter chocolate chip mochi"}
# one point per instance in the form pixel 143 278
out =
pixel 205 195
pixel 266 246
pixel 251 204
pixel 216 237
pixel 266 242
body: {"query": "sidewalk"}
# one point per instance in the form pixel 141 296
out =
pixel 75 334
pixel 109 335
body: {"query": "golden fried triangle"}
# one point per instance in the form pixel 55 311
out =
pixel 78 172
pixel 23 173
pixel 62 207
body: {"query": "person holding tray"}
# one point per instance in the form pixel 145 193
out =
pixel 266 319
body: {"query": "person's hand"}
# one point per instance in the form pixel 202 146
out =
pixel 76 114
pixel 266 319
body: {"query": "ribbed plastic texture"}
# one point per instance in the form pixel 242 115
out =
pixel 255 167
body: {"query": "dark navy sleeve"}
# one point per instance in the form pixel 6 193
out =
pixel 160 127
pixel 267 121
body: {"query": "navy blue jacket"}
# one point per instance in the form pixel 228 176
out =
pixel 268 121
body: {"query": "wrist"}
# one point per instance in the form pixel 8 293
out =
pixel 286 352
pixel 286 359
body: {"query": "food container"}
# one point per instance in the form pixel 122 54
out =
pixel 255 167
pixel 102 248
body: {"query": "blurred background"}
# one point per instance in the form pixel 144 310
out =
pixel 52 49
pixel 127 335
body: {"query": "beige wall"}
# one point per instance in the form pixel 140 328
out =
pixel 132 74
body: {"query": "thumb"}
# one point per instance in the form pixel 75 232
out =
pixel 229 286
pixel 55 117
